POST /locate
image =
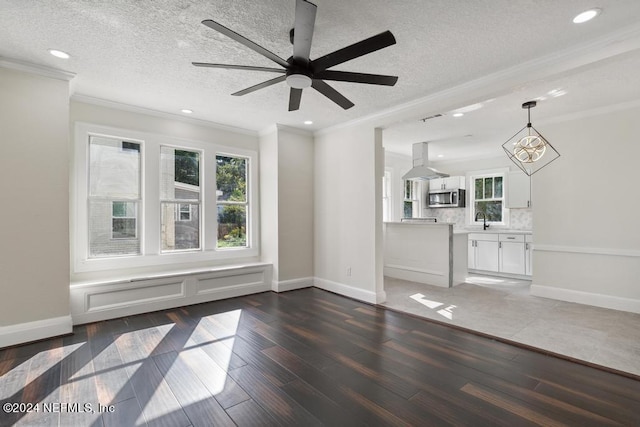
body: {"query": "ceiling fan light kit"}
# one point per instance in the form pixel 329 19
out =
pixel 300 71
pixel 528 149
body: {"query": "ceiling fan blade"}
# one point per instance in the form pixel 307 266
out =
pixel 294 99
pixel 239 67
pixel 331 93
pixel 260 86
pixel 245 41
pixel 346 76
pixel 353 51
pixel 303 30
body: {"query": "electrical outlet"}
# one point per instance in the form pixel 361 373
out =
pixel 348 271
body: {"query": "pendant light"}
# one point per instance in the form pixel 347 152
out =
pixel 528 149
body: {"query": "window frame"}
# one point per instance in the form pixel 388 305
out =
pixel 149 221
pixel 493 173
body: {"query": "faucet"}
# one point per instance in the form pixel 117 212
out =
pixel 484 220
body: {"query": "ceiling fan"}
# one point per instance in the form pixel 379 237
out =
pixel 299 70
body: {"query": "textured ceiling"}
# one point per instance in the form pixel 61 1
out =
pixel 140 52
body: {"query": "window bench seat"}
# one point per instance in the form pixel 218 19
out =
pixel 93 301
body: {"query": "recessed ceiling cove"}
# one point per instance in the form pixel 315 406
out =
pixel 299 71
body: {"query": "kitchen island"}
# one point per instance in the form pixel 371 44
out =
pixel 425 252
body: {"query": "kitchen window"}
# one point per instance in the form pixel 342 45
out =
pixel 142 199
pixel 488 198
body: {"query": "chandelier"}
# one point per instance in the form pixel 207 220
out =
pixel 528 149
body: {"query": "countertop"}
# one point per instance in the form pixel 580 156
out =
pixel 491 231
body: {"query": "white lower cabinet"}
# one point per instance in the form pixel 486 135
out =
pixel 528 257
pixel 511 254
pixel 500 253
pixel 483 252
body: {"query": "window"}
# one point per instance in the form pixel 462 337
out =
pixel 231 179
pixel 114 197
pixel 488 197
pixel 411 206
pixel 179 199
pixel 143 200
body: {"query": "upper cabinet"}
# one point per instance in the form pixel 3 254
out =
pixel 449 183
pixel 518 190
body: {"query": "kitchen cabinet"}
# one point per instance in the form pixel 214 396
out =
pixel 528 258
pixel 449 183
pixel 507 253
pixel 483 252
pixel 518 190
pixel 511 254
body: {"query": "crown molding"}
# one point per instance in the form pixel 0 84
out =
pixel 85 99
pixel 40 70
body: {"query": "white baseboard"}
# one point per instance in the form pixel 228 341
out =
pixel 588 298
pixel 292 284
pixel 33 331
pixel 349 291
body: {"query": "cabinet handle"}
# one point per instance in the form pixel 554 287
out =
pixel 511 238
pixel 500 245
pixel 528 203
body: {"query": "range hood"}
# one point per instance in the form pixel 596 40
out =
pixel 421 170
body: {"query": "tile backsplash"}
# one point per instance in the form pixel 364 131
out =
pixel 519 219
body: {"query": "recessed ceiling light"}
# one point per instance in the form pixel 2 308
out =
pixel 458 114
pixel 59 54
pixel 587 15
pixel 440 155
pixel 186 111
pixel 308 122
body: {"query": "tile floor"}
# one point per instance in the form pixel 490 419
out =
pixel 503 308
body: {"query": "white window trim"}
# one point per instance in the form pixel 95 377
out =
pixel 471 176
pixel 149 216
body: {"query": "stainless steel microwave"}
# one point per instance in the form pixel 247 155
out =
pixel 447 199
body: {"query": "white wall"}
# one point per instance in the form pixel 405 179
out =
pixel 286 184
pixel 348 227
pixel 34 219
pixel 586 204
pixel 295 204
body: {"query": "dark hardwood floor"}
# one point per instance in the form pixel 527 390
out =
pixel 301 358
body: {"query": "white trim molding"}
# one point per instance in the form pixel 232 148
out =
pixel 292 284
pixel 588 298
pixel 590 251
pixel 37 69
pixel 33 331
pixel 92 302
pixel 350 291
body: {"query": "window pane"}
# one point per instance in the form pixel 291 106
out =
pixel 479 188
pixel 123 209
pixel 123 228
pixel 179 174
pixel 114 168
pixel 492 210
pixel 231 178
pixel 488 188
pixel 232 226
pixel 498 187
pixel 113 228
pixel 180 226
pixel 408 209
